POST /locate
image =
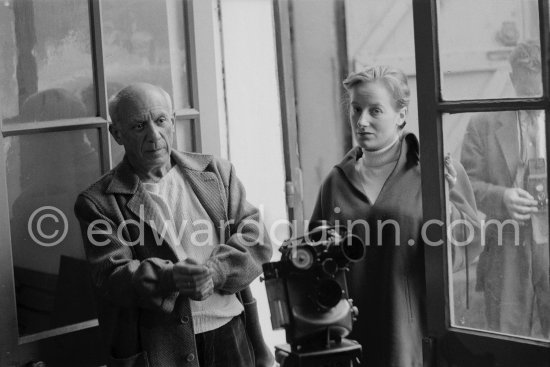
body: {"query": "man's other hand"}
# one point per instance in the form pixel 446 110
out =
pixel 519 203
pixel 193 280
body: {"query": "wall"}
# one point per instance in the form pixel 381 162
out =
pixel 323 136
pixel 209 69
pixel 254 120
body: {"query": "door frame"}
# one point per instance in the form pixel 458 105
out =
pixel 202 60
pixel 431 106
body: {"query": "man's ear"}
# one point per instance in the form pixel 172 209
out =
pixel 115 132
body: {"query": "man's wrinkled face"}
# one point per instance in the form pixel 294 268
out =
pixel 146 128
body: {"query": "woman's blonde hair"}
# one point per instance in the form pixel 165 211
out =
pixel 394 79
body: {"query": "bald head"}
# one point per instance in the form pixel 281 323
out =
pixel 144 122
pixel 130 98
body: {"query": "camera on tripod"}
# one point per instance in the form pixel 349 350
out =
pixel 307 290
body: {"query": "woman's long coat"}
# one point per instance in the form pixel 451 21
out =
pixel 388 286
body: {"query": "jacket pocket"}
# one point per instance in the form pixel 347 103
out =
pixel 137 360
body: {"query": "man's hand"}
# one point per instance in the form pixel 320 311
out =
pixel 193 280
pixel 450 171
pixel 519 203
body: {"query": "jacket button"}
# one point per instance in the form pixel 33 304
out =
pixel 184 320
pixel 190 357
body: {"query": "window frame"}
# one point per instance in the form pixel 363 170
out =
pixel 10 341
pixel 293 173
pixel 431 107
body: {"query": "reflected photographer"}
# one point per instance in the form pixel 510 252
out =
pixel 504 154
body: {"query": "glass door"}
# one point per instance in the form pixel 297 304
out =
pixel 482 70
pixel 61 61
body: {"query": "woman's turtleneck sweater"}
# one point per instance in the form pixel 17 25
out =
pixel 374 168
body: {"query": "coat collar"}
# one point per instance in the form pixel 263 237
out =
pixel 408 157
pixel 507 137
pixel 202 182
pixel 409 153
pixel 126 181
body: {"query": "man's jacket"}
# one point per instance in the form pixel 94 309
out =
pixel 143 319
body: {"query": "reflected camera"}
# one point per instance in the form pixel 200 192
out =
pixel 535 182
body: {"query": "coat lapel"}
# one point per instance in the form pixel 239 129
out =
pixel 347 166
pixel 206 186
pixel 207 189
pixel 125 181
pixel 409 155
pixel 142 206
pixel 507 137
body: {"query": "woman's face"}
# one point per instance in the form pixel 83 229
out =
pixel 374 120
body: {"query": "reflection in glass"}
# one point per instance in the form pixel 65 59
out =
pixel 480 69
pixel 45 172
pixel 45 47
pixel 506 288
pixel 144 41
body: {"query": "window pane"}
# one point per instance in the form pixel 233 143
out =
pixel 505 287
pixel 46 60
pixel 382 33
pixel 45 172
pixel 481 69
pixel 144 41
pixel 184 135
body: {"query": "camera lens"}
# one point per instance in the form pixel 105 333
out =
pixel 330 267
pixel 302 257
pixel 353 248
pixel 328 293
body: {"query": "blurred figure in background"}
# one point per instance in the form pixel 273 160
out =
pixel 504 156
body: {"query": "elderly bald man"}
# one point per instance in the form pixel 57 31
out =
pixel 171 239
